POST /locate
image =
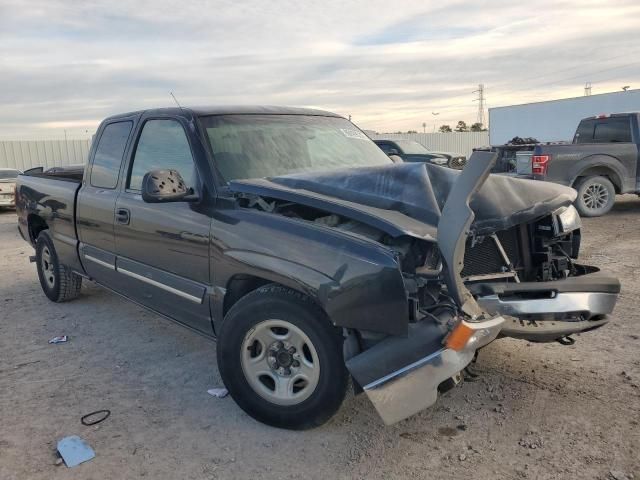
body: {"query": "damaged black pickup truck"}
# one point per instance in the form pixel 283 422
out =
pixel 289 236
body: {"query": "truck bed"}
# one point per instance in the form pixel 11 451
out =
pixel 70 172
pixel 51 198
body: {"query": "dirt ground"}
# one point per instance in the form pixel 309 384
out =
pixel 538 411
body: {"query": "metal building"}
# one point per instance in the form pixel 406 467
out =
pixel 26 154
pixel 555 120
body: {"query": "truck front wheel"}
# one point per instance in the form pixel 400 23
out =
pixel 281 359
pixel 58 283
pixel 596 196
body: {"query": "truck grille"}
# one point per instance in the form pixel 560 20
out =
pixel 484 258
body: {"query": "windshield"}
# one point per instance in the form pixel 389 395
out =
pixel 257 146
pixel 411 148
pixel 4 174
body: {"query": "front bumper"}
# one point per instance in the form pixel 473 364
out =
pixel 413 387
pixel 547 311
pixel 558 306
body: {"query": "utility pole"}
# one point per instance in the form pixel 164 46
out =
pixel 480 101
pixel 424 127
pixel 435 114
pixel 587 89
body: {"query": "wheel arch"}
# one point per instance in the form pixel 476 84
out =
pixel 35 225
pixel 360 294
pixel 601 166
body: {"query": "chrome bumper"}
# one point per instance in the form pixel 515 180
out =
pixel 557 307
pixel 414 387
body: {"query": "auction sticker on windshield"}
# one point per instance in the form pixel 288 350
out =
pixel 351 133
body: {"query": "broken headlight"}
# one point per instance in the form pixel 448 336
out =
pixel 566 220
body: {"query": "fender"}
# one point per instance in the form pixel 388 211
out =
pixel 357 283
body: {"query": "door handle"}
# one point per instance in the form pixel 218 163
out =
pixel 123 215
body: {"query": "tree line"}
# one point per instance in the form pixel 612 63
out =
pixel 460 127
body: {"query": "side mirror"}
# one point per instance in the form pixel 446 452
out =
pixel 393 151
pixel 163 186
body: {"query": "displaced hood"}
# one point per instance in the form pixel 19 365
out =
pixel 415 190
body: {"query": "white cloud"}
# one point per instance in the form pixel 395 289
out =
pixel 388 64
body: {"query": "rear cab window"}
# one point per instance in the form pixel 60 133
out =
pixel 109 152
pixel 604 130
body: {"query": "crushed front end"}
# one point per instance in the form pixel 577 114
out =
pixel 401 376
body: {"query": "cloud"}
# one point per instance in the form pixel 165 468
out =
pixel 389 65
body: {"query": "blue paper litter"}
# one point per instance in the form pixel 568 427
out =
pixel 74 451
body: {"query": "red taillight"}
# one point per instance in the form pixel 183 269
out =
pixel 539 164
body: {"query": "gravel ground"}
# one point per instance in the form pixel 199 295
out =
pixel 538 411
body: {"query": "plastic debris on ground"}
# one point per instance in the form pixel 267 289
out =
pixel 218 392
pixel 74 451
pixel 59 339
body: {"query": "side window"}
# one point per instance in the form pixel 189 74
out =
pixel 584 133
pixel 613 130
pixel 162 145
pixel 109 153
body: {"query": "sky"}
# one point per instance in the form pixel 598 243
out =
pixel 391 65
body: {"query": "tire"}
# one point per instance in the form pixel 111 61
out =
pixel 262 327
pixel 596 196
pixel 58 282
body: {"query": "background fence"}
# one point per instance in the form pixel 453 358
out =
pixel 25 154
pixel 458 142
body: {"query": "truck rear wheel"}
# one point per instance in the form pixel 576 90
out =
pixel 596 196
pixel 281 359
pixel 58 283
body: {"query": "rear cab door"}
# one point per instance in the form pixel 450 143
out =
pixel 162 249
pixel 96 200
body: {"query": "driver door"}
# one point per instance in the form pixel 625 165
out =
pixel 163 248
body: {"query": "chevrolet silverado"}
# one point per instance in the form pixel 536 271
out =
pixel 289 236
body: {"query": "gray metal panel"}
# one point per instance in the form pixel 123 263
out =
pixel 455 142
pixel 26 154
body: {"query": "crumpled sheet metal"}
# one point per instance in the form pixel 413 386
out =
pixel 420 190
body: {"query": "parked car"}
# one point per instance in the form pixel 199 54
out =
pixel 289 236
pixel 412 151
pixel 8 178
pixel 602 161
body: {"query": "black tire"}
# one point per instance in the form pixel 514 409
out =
pixel 596 196
pixel 58 282
pixel 277 302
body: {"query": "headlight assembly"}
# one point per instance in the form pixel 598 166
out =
pixel 566 220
